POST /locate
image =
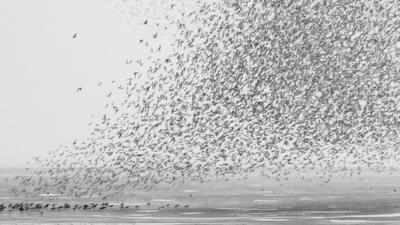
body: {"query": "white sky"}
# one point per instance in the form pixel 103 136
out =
pixel 41 66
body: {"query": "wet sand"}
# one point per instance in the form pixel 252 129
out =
pixel 368 199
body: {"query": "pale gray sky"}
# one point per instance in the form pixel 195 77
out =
pixel 41 66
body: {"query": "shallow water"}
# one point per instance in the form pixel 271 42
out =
pixel 368 199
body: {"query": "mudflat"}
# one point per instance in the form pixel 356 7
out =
pixel 365 199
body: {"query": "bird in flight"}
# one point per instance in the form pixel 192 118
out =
pixel 74 36
pixel 79 89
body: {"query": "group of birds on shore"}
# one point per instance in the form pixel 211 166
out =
pixel 280 87
pixel 53 206
pixel 37 206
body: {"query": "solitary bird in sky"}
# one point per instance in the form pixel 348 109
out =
pixel 79 89
pixel 74 36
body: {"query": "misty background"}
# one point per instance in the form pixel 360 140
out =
pixel 42 67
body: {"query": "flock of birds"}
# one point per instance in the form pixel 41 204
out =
pixel 279 87
pixel 38 206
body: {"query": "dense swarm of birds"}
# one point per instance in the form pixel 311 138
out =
pixel 251 85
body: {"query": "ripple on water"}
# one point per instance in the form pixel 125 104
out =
pixel 266 200
pixel 270 219
pixel 273 195
pixel 305 198
pixel 102 223
pixel 335 197
pixel 6 197
pixel 50 195
pixel 163 200
pixel 147 210
pixel 192 213
pixel 138 215
pixel 190 191
pixel 132 203
pixel 247 209
pixel 332 211
pixel 197 219
pixel 388 215
pixel 351 221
